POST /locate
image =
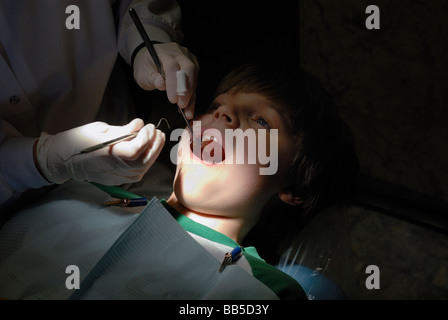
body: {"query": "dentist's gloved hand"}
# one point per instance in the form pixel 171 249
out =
pixel 124 162
pixel 173 58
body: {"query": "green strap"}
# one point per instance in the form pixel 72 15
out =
pixel 116 192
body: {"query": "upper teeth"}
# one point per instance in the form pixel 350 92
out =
pixel 209 138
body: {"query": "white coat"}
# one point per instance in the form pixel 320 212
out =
pixel 53 78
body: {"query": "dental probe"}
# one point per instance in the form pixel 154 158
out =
pixel 154 55
pixel 108 143
pixel 117 140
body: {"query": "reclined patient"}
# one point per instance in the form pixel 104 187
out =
pixel 198 243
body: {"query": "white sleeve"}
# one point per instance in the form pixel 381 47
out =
pixel 18 172
pixel 161 19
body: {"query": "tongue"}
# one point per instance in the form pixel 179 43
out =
pixel 211 152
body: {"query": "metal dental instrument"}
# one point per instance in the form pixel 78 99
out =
pixel 103 145
pixel 108 143
pixel 154 55
pixel 160 122
pixel 147 41
pixel 117 140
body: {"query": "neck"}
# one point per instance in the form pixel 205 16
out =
pixel 234 228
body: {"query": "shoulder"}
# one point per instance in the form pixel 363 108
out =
pixel 286 287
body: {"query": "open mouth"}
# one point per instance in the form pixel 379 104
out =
pixel 208 148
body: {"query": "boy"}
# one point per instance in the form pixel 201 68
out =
pixel 215 205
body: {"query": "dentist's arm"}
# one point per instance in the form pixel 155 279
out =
pixel 18 172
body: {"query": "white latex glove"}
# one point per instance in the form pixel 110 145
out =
pixel 123 162
pixel 173 57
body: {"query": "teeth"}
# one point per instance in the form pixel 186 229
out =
pixel 209 138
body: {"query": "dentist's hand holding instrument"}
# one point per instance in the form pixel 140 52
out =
pixel 155 67
pixel 68 155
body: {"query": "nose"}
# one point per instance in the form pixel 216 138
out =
pixel 226 114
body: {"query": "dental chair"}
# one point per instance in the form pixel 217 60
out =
pixel 320 258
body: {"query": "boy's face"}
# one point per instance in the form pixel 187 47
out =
pixel 227 188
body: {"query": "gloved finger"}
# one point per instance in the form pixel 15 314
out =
pixel 93 133
pixel 133 149
pixel 147 78
pixel 190 69
pixel 190 107
pixel 148 157
pixel 170 68
pixel 105 168
pixel 139 167
pixel 153 152
pixel 145 71
pixel 134 126
pixel 102 128
pixel 113 132
pixel 152 80
pixel 160 83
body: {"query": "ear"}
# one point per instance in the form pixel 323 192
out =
pixel 286 194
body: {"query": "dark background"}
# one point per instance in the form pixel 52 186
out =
pixel 226 34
